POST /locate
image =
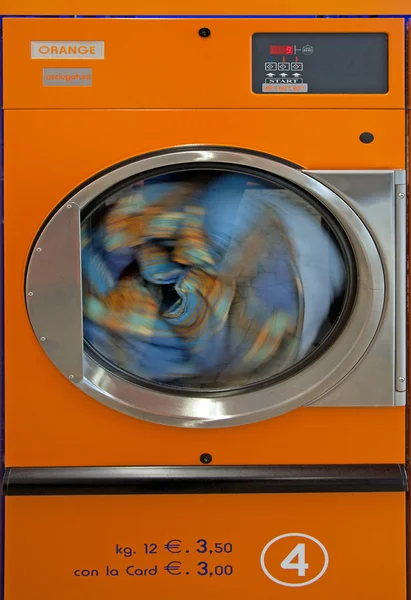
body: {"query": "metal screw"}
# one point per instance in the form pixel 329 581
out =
pixel 30 294
pixel 401 195
pixel 402 379
pixel 43 339
pixel 68 206
pixel 206 458
pixel 71 376
pixel 38 249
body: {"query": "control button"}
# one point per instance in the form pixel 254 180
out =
pixel 284 66
pixel 283 79
pixel 297 66
pixel 307 50
pixel 271 66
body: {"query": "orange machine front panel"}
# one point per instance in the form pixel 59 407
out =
pixel 312 546
pixel 208 7
pixel 49 421
pixel 166 64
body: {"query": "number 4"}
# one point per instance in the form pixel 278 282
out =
pixel 299 553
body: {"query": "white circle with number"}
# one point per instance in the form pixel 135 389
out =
pixel 295 559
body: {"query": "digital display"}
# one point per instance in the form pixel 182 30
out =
pixel 281 49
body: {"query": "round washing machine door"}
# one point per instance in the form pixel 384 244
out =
pixel 205 288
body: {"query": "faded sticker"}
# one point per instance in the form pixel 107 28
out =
pixel 67 77
pixel 285 88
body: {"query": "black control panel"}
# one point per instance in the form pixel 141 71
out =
pixel 320 63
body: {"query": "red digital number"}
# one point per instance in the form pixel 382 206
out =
pixel 289 49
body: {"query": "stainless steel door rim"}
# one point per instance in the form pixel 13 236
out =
pixel 54 304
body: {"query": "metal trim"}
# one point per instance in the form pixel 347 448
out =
pixel 49 291
pixel 270 479
pixel 400 287
pixel 305 387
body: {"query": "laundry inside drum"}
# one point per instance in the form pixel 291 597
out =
pixel 210 280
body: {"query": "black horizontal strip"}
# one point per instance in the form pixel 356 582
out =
pixel 271 479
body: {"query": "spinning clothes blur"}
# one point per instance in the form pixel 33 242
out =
pixel 207 279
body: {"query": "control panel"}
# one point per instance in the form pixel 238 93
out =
pixel 320 63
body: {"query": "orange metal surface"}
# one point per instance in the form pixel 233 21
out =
pixel 166 64
pixel 210 7
pixel 49 421
pixel 50 542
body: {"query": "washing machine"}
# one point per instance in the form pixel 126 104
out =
pixel 128 477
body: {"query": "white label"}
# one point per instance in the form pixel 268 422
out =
pixel 67 50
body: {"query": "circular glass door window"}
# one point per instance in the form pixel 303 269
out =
pixel 211 279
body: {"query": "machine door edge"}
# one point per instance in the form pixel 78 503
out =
pixel 54 303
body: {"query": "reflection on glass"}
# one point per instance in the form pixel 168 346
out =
pixel 208 279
